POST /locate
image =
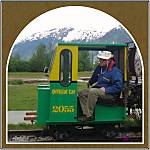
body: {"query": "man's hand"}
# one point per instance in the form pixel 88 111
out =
pixel 103 89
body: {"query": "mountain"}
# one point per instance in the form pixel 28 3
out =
pixel 116 35
pixel 28 46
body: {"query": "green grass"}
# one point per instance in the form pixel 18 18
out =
pixel 26 75
pixel 24 126
pixel 85 74
pixel 22 97
pixel 15 82
pixel 82 86
pixel 40 74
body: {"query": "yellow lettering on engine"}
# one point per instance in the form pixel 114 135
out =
pixel 58 91
pixel 72 91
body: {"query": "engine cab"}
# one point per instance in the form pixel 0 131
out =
pixel 58 101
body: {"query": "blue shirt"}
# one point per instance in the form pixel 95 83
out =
pixel 112 80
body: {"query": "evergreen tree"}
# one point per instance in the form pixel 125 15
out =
pixel 18 65
pixel 84 62
pixel 39 59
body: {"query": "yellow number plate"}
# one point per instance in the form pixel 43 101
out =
pixel 67 109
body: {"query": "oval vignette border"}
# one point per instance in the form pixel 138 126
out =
pixel 14 21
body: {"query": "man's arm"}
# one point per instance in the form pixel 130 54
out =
pixel 94 77
pixel 117 83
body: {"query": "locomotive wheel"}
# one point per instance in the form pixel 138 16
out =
pixel 58 136
pixel 59 133
pixel 109 133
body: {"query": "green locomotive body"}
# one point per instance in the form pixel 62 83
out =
pixel 58 101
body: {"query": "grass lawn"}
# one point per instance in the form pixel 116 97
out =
pixel 24 126
pixel 85 74
pixel 24 96
pixel 26 75
pixel 40 74
pixel 82 85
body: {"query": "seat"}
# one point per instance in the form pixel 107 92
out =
pixel 116 101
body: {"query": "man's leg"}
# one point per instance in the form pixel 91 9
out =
pixel 90 102
pixel 83 96
pixel 94 94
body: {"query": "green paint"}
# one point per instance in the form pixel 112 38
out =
pixel 43 104
pixel 63 103
pixel 109 113
pixel 89 44
pixel 58 104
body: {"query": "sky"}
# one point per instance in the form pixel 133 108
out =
pixel 78 17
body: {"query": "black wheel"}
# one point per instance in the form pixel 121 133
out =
pixel 110 130
pixel 109 133
pixel 58 136
pixel 60 132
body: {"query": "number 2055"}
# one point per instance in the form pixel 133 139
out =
pixel 66 109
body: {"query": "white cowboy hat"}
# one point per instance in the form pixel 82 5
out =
pixel 105 55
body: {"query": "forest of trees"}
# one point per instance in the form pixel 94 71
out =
pixel 41 58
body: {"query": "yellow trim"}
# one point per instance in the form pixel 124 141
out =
pixel 74 63
pixel 125 64
pixel 54 74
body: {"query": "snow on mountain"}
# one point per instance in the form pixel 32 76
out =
pixel 73 35
pixel 83 35
pixel 49 38
pixel 54 33
pixel 27 46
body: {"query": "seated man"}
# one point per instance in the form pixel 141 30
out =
pixel 106 83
